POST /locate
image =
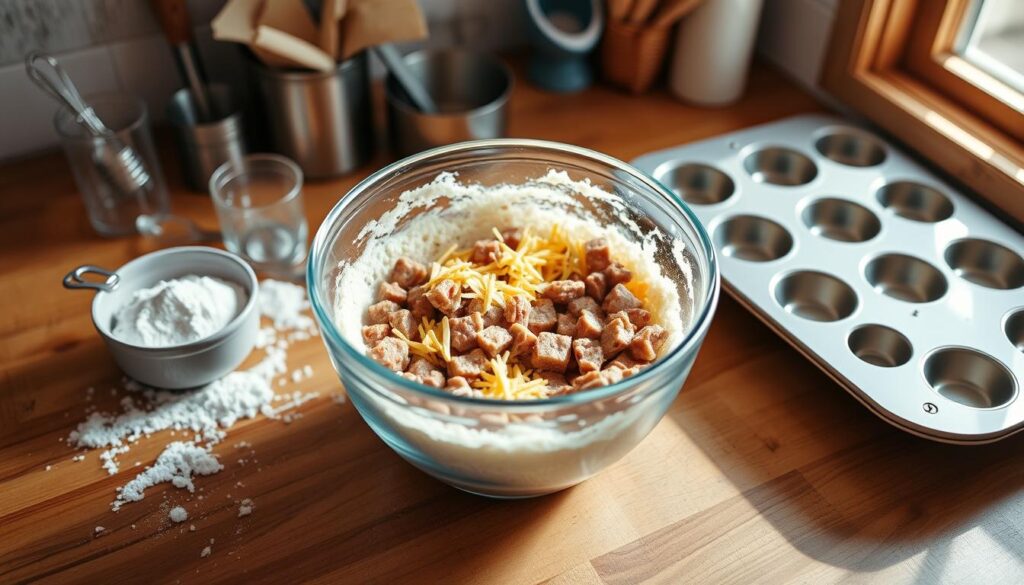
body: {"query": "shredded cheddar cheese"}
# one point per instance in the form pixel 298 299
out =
pixel 435 344
pixel 639 289
pixel 509 383
pixel 518 271
pixel 448 254
pixel 522 270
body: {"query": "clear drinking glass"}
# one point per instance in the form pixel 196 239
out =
pixel 111 212
pixel 259 206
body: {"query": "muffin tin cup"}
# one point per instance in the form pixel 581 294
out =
pixel 896 285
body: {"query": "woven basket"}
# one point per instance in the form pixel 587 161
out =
pixel 632 56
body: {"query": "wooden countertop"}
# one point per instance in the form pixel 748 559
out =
pixel 763 469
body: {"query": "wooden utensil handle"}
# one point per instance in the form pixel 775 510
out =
pixel 642 10
pixel 618 10
pixel 674 11
pixel 173 16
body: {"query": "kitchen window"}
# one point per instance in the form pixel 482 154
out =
pixel 944 76
pixel 992 38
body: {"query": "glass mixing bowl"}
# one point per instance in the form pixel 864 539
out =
pixel 521 448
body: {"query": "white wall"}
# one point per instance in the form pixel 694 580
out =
pixel 116 45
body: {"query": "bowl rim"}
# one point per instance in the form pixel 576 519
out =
pixel 199 345
pixel 690 339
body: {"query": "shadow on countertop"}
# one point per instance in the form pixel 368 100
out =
pixel 839 484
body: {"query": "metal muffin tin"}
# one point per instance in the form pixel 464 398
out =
pixel 897 286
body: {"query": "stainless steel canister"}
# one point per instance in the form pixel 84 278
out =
pixel 205 146
pixel 471 90
pixel 322 121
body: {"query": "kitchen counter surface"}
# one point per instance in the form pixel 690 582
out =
pixel 763 469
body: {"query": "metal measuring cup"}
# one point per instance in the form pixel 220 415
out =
pixel 180 366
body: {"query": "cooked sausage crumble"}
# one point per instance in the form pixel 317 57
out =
pixel 517 316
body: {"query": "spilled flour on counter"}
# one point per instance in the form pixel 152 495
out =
pixel 218 404
pixel 178 515
pixel 285 303
pixel 204 414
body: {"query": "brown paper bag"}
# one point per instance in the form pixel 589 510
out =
pixel 374 22
pixel 289 17
pixel 291 51
pixel 281 33
pixel 236 22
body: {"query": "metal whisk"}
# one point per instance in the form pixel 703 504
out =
pixel 118 163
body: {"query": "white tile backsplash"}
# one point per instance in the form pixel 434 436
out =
pixel 147 68
pixel 129 54
pixel 117 45
pixel 27 122
pixel 59 26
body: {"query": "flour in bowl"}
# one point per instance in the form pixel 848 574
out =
pixel 177 311
pixel 455 212
pixel 492 452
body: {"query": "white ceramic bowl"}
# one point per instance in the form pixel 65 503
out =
pixel 189 364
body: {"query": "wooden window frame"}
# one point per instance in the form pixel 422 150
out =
pixel 893 61
pixel 932 56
